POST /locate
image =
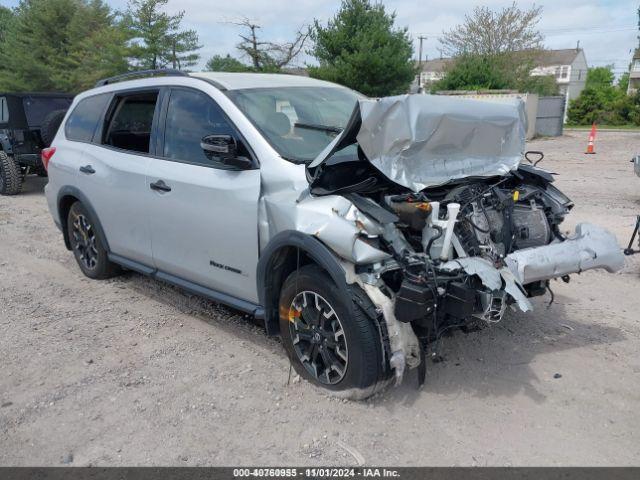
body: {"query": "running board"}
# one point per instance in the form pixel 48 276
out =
pixel 219 297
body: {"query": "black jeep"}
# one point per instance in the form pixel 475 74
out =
pixel 28 123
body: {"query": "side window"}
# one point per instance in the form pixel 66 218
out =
pixel 192 115
pixel 129 124
pixel 85 117
pixel 4 110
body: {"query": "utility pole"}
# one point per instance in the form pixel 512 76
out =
pixel 421 38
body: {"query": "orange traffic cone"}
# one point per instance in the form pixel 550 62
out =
pixel 592 139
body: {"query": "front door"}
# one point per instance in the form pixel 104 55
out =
pixel 203 214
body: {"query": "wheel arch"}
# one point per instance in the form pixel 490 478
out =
pixel 284 253
pixel 67 196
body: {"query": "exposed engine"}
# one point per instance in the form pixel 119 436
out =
pixel 485 219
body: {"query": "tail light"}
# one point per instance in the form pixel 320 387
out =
pixel 46 155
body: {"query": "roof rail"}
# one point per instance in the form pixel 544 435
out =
pixel 170 72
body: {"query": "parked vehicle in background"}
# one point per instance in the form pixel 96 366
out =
pixel 360 230
pixel 28 123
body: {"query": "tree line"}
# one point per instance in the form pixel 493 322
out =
pixel 604 101
pixel 67 45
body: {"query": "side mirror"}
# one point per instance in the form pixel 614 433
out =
pixel 224 148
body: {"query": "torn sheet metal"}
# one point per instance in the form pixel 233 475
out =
pixel 590 247
pixel 333 220
pixel 491 277
pixel 405 347
pixel 420 141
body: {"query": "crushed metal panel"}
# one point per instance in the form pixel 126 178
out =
pixel 420 141
pixel 332 219
pixel 590 247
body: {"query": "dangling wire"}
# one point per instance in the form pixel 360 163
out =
pixel 553 297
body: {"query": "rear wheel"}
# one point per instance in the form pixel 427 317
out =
pixel 326 345
pixel 88 245
pixel 10 175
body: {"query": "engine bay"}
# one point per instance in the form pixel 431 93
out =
pixel 479 218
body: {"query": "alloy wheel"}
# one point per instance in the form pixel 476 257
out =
pixel 84 241
pixel 318 337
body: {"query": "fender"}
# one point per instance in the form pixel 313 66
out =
pixel 69 190
pixel 269 278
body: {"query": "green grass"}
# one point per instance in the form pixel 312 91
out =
pixel 632 128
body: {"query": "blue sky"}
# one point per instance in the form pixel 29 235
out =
pixel 606 29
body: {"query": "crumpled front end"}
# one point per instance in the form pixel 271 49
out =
pixel 446 262
pixel 434 218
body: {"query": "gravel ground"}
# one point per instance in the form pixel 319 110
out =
pixel 133 372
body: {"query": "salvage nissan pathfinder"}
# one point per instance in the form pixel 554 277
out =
pixel 358 229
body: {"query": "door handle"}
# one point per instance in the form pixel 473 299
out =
pixel 88 169
pixel 160 186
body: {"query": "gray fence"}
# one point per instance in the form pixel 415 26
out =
pixel 550 116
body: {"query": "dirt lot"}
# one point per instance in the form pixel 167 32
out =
pixel 134 372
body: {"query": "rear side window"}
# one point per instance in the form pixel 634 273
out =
pixel 130 122
pixel 84 119
pixel 4 110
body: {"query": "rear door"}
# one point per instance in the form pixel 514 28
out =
pixel 113 172
pixel 204 219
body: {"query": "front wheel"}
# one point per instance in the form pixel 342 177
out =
pixel 327 345
pixel 88 245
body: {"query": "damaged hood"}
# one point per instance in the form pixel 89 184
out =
pixel 421 141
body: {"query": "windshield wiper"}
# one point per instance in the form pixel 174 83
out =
pixel 322 128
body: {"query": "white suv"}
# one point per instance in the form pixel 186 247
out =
pixel 359 230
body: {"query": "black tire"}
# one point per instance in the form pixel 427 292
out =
pixel 50 126
pixel 363 365
pixel 10 175
pixel 87 244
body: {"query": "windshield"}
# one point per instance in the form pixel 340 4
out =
pixel 299 122
pixel 37 108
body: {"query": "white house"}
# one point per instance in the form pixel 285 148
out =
pixel 568 66
pixel 431 72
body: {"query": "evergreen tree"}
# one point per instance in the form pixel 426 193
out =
pixel 157 41
pixel 60 45
pixel 218 63
pixel 361 48
pixel 6 17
